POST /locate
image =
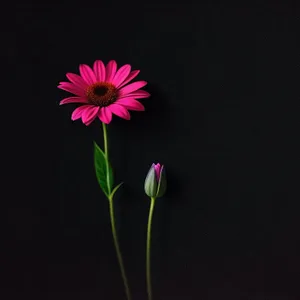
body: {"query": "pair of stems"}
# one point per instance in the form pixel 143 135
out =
pixel 114 232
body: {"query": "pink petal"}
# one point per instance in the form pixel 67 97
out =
pixel 105 115
pixel 77 113
pixel 87 74
pixel 157 168
pixel 77 80
pixel 132 75
pixel 111 69
pixel 137 95
pixel 132 87
pixel 70 87
pixel 99 70
pixel 89 114
pixel 120 111
pixel 73 100
pixel 121 75
pixel 131 104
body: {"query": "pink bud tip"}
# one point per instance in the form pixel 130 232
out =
pixel 157 168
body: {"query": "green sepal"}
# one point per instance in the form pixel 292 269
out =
pixel 151 183
pixel 162 184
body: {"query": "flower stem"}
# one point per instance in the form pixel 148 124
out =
pixel 106 156
pixel 148 271
pixel 119 254
pixel 112 218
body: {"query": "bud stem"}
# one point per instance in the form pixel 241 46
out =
pixel 148 249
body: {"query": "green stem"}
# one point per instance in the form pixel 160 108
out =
pixel 106 156
pixel 112 218
pixel 148 249
pixel 119 254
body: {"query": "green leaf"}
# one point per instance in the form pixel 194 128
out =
pixel 115 189
pixel 101 172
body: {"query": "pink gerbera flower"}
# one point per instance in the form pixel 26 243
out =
pixel 104 91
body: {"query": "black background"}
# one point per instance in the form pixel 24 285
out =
pixel 223 118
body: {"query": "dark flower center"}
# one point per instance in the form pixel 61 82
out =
pixel 101 94
pixel 100 90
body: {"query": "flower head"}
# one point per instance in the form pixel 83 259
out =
pixel 155 183
pixel 103 91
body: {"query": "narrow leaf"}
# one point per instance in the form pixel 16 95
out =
pixel 101 172
pixel 115 189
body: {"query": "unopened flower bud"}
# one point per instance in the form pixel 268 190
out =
pixel 155 183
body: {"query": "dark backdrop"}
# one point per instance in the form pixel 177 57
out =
pixel 223 118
